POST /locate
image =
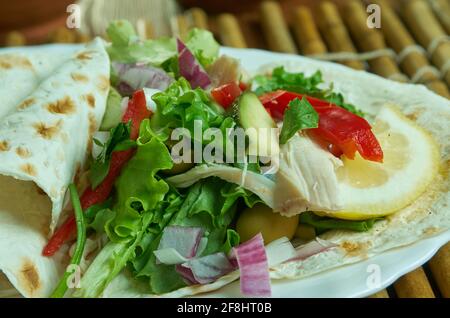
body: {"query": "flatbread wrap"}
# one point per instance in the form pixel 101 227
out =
pixel 44 144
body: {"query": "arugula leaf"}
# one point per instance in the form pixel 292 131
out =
pixel 118 141
pixel 323 224
pixel 299 115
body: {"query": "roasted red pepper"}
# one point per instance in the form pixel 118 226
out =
pixel 136 112
pixel 339 130
pixel 226 94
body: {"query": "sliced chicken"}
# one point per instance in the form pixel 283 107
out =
pixel 306 179
pixel 224 70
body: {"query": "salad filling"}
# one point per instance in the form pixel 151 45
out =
pixel 205 171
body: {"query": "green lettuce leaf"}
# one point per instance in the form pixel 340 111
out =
pixel 162 52
pixel 180 106
pixel 127 48
pixel 203 45
pixel 299 115
pixel 209 204
pixel 322 223
pixel 138 189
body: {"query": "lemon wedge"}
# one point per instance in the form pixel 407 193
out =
pixel 411 161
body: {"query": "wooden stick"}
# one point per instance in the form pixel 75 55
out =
pixel 426 28
pixel 381 294
pixel 414 285
pixel 335 33
pixel 368 39
pixel 399 38
pixel 275 28
pixel 199 18
pixel 440 268
pixel 144 29
pixel 182 27
pixel 15 38
pixel 63 35
pixel 230 31
pixel 442 10
pixel 306 32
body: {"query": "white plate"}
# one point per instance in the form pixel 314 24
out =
pixel 346 281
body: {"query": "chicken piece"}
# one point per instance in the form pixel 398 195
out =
pixel 306 179
pixel 224 70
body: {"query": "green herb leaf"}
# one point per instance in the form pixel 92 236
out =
pixel 118 141
pixel 299 115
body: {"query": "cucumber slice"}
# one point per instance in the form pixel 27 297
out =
pixel 113 113
pixel 251 112
pixel 258 124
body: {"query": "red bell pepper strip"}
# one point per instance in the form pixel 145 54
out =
pixel 136 112
pixel 226 94
pixel 339 130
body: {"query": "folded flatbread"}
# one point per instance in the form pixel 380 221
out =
pixel 21 71
pixel 44 141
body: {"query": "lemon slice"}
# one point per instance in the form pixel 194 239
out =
pixel 411 160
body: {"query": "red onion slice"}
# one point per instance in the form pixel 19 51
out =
pixel 190 68
pixel 254 268
pixel 183 240
pixel 133 77
pixel 209 268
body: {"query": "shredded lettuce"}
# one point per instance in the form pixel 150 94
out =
pixel 322 224
pixel 299 115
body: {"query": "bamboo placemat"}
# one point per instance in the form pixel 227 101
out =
pixel 411 46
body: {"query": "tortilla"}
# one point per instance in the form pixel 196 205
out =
pixel 427 216
pixel 43 145
pixel 22 71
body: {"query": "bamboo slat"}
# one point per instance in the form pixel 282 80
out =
pixel 144 29
pixel 15 38
pixel 199 18
pixel 181 26
pixel 369 39
pixel 306 32
pixel 442 10
pixel 440 268
pixel 414 285
pixel 381 294
pixel 421 20
pixel 275 29
pixel 335 33
pixel 230 32
pixel 413 62
pixel 63 35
